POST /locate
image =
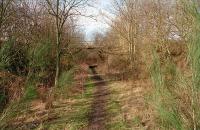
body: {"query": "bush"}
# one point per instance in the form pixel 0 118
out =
pixel 41 56
pixel 119 63
pixel 41 62
pixel 13 57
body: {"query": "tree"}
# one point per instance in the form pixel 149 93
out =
pixel 127 26
pixel 63 11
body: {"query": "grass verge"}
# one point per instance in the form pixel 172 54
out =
pixel 74 114
pixel 126 107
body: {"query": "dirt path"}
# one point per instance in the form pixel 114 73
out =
pixel 98 115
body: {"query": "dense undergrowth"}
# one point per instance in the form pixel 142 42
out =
pixel 176 94
pixel 70 109
pixel 27 74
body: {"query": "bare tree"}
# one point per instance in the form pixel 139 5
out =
pixel 127 25
pixel 63 10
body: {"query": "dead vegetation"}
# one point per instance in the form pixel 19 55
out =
pixel 128 107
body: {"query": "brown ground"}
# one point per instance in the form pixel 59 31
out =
pixel 98 115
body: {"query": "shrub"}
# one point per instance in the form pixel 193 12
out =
pixel 13 57
pixel 41 62
pixel 119 63
pixel 41 56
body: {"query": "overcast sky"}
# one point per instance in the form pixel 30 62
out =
pixel 90 26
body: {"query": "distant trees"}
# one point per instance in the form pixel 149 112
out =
pixel 139 24
pixel 127 25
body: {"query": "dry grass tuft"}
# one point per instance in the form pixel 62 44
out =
pixel 132 110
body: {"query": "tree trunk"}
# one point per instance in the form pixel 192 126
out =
pixel 57 46
pixel 57 62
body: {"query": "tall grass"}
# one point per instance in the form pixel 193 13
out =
pixel 194 58
pixel 64 83
pixel 66 78
pixel 176 97
pixel 163 98
pixel 40 56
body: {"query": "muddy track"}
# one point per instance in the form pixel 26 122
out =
pixel 98 115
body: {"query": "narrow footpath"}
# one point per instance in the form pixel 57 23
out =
pixel 98 116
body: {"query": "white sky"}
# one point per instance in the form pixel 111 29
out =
pixel 90 26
